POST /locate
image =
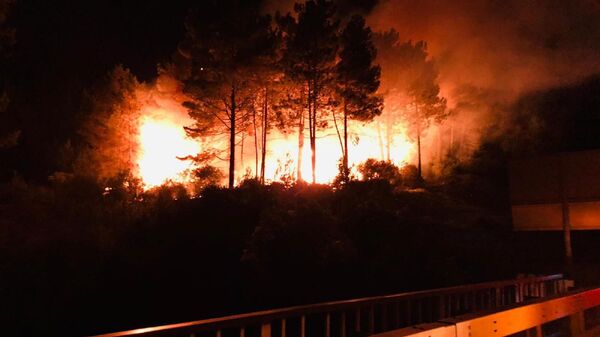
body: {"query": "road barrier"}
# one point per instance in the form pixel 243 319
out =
pixel 574 315
pixel 366 316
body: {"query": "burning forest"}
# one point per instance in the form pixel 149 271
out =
pixel 254 104
pixel 171 161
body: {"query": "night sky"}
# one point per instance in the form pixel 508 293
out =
pixel 63 47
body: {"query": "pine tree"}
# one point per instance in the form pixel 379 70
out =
pixel 225 43
pixel 357 78
pixel 410 87
pixel 109 130
pixel 311 46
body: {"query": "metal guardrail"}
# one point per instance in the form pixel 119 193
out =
pixel 523 320
pixel 365 316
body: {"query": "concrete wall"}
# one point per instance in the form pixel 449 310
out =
pixel 536 191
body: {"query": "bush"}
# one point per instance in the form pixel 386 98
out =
pixel 206 176
pixel 410 177
pixel 380 170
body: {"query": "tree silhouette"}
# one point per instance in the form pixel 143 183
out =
pixel 109 130
pixel 424 91
pixel 357 78
pixel 311 45
pixel 410 87
pixel 225 43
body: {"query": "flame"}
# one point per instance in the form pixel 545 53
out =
pixel 162 142
pixel 366 144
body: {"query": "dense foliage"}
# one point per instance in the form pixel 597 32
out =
pixel 75 247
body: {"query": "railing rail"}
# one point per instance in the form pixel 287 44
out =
pixel 364 316
pixel 574 314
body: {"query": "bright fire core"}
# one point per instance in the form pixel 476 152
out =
pixel 163 142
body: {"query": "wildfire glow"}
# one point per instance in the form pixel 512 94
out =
pixel 162 142
pixel 282 150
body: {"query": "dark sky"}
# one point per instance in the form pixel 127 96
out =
pixel 86 37
pixel 63 47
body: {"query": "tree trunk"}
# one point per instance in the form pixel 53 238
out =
pixel 380 139
pixel 419 169
pixel 300 139
pixel 419 151
pixel 242 150
pixel 313 132
pixel 255 144
pixel 388 134
pixel 232 140
pixel 339 134
pixel 264 139
pixel 346 173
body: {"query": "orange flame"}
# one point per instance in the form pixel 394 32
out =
pixel 162 142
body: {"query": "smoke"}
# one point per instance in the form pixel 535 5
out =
pixel 345 8
pixel 509 47
pixel 491 52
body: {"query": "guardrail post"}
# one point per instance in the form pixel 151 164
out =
pixel 535 332
pixel 457 305
pixel 497 299
pixel 544 291
pixel 577 324
pixel 384 317
pixel 538 331
pixel 442 309
pixel 371 319
pixel 472 301
pixel 265 330
pixel 396 314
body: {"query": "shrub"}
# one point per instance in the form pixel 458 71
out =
pixel 380 170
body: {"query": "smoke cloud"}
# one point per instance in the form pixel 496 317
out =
pixel 507 47
pixel 491 52
pixel 488 53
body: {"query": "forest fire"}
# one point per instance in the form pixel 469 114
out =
pixel 175 161
pixel 162 142
pixel 164 147
pixel 282 157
